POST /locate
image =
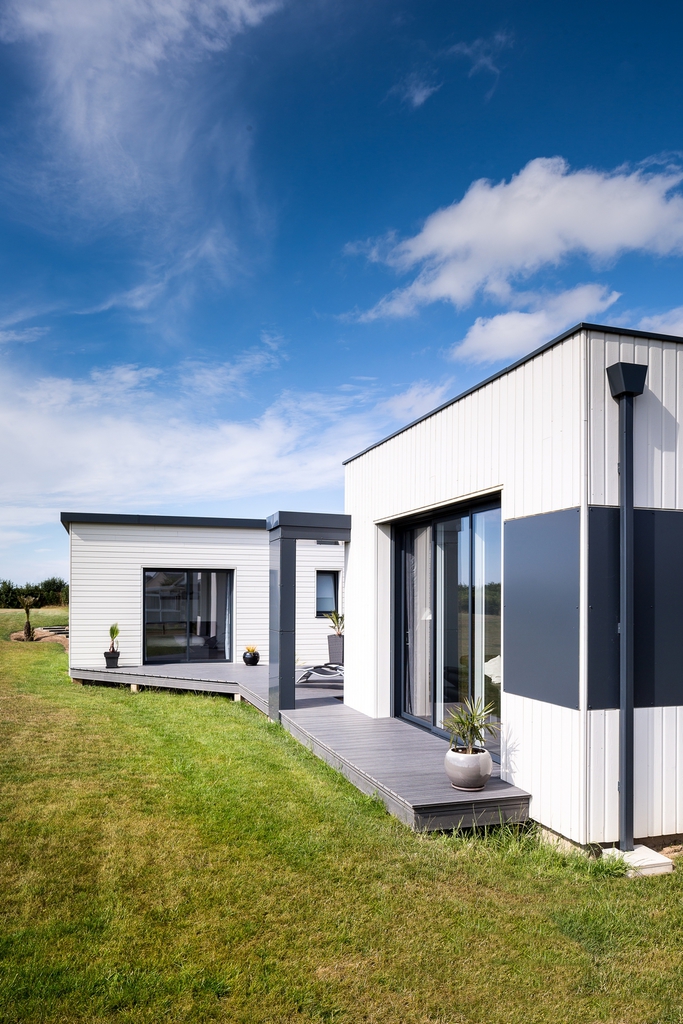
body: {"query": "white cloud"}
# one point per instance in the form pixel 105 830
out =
pixel 498 235
pixel 516 332
pixel 670 322
pixel 117 443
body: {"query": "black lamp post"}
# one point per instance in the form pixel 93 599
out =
pixel 626 381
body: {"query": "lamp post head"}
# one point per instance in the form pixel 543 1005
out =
pixel 626 378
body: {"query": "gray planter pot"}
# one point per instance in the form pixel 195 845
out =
pixel 468 771
pixel 111 659
pixel 335 649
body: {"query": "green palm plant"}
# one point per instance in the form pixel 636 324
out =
pixel 27 603
pixel 114 636
pixel 336 622
pixel 470 723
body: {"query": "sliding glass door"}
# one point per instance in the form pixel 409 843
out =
pixel 187 615
pixel 448 613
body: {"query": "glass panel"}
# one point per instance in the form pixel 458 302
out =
pixel 207 606
pixel 417 696
pixel 325 593
pixel 165 616
pixel 487 614
pixel 452 614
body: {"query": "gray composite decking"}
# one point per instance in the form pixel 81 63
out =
pixel 231 678
pixel 400 762
pixel 403 765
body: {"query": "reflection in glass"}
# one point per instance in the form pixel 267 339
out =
pixel 487 612
pixel 165 616
pixel 187 615
pixel 452 614
pixel 417 698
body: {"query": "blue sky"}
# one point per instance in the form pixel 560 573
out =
pixel 242 239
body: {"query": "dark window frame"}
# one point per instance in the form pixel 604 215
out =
pixel 229 613
pixel 327 572
pixel 399 527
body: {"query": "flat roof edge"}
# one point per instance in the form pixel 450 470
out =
pixel 123 519
pixel 583 326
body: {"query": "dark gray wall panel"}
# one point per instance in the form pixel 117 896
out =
pixel 658 614
pixel 603 607
pixel 541 600
pixel 658 608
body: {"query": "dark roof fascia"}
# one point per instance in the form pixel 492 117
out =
pixel 116 519
pixel 309 520
pixel 604 328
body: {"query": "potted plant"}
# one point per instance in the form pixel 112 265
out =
pixel 111 656
pixel 468 765
pixel 335 642
pixel 251 656
pixel 27 603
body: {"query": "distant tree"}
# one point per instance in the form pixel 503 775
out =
pixel 8 595
pixel 51 590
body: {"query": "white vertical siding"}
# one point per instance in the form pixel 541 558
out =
pixel 312 632
pixel 658 444
pixel 521 433
pixel 658 773
pixel 107 563
pixel 542 752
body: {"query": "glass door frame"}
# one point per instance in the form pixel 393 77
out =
pixel 398 583
pixel 229 614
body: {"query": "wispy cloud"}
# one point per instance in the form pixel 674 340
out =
pixel 670 322
pixel 483 55
pixel 231 378
pixel 25 334
pixel 165 456
pixel 415 89
pixel 119 128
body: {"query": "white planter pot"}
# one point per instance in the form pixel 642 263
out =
pixel 468 771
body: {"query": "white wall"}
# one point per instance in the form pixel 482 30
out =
pixel 658 412
pixel 107 563
pixel 312 632
pixel 522 434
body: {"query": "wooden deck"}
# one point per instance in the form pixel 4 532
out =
pixel 400 763
pixel 230 678
pixel 403 765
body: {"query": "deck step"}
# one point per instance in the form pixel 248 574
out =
pixel 403 766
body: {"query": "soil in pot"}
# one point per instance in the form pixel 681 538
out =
pixel 469 772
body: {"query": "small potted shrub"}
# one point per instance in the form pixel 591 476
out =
pixel 468 764
pixel 111 656
pixel 335 642
pixel 251 656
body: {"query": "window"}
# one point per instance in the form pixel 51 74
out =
pixel 448 613
pixel 326 592
pixel 188 615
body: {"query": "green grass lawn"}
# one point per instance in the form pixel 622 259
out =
pixel 13 619
pixel 170 857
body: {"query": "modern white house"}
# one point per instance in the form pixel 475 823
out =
pixel 489 549
pixel 485 560
pixel 189 590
